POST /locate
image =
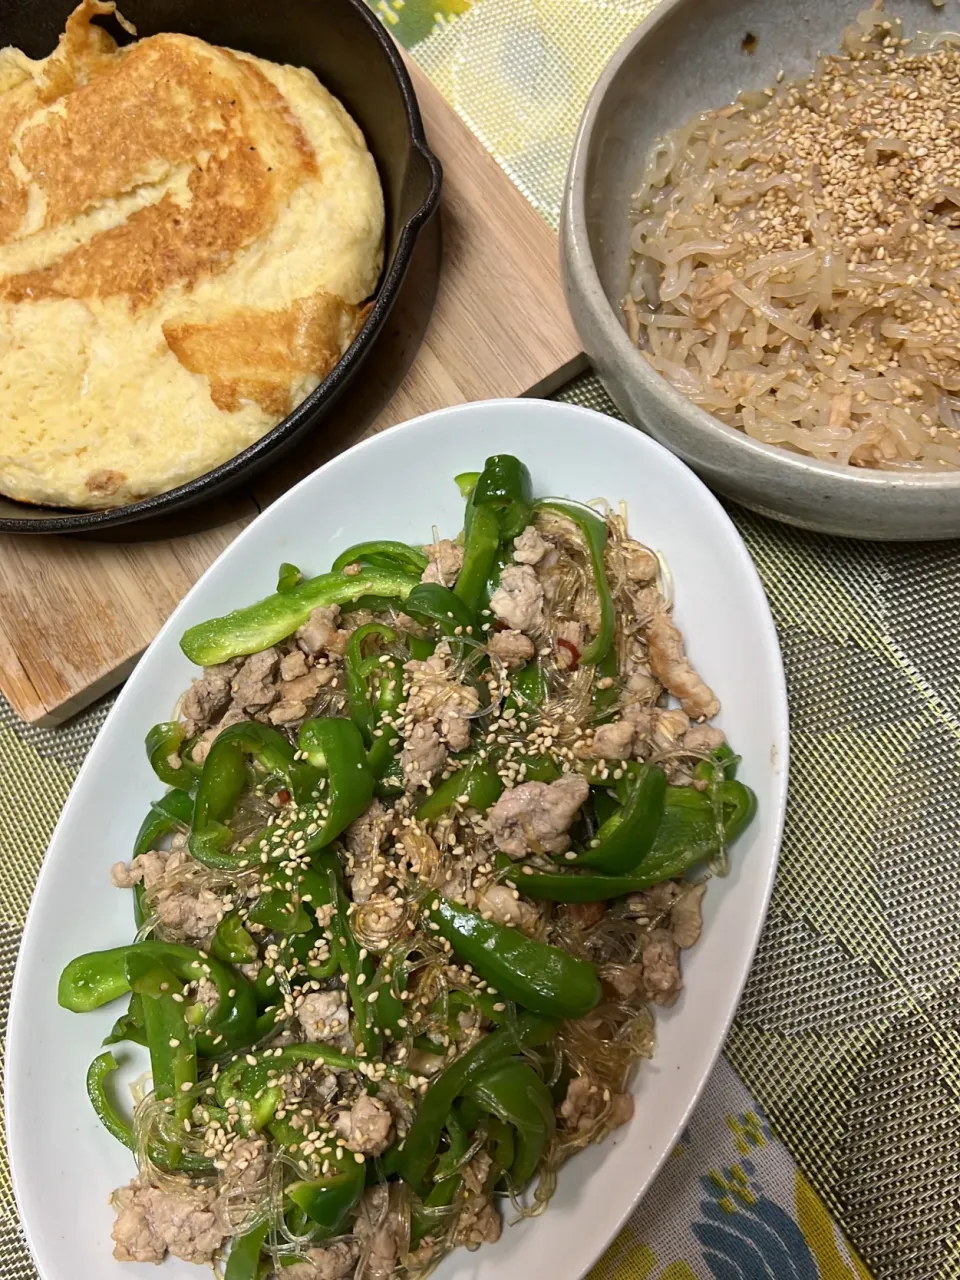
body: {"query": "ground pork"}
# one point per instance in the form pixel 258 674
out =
pixel 639 563
pixel 584 1103
pixel 424 754
pixel 293 665
pixel 670 724
pixel 247 1164
pixel 518 601
pixel 583 915
pixel 671 666
pixel 323 1015
pixel 381 1222
pixel 513 648
pixel 535 816
pixel 364 839
pixel 529 547
pixel 254 686
pixel 151 1222
pixel 297 694
pixel 703 737
pixel 612 741
pixel 656 978
pixel 367 1127
pixel 433 694
pixel 333 1262
pixel 675 905
pixel 321 634
pixel 446 561
pixel 497 902
pixel 479 1222
pixel 208 696
pixel 173 882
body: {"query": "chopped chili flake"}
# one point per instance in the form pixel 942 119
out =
pixel 284 796
pixel 572 649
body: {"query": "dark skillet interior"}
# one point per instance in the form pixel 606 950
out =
pixel 352 55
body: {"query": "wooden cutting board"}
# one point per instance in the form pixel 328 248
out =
pixel 482 314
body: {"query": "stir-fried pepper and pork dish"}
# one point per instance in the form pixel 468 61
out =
pixel 436 833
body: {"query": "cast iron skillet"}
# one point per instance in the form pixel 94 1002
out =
pixel 352 55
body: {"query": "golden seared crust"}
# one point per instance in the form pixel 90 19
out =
pixel 170 103
pixel 258 355
pixel 187 237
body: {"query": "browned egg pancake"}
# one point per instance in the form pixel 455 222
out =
pixel 187 238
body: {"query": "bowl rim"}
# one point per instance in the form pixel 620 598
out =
pixel 222 477
pixel 841 479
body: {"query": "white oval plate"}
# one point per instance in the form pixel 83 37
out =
pixel 399 485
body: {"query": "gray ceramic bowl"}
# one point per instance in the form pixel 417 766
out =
pixel 689 56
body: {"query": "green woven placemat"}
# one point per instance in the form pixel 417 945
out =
pixel 847 1032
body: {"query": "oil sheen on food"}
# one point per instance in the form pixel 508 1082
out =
pixel 187 238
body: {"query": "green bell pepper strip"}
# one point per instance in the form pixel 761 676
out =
pixel 243 1079
pixel 357 972
pixel 538 768
pixel 429 602
pixel 390 783
pixel 626 837
pixel 288 576
pixel 539 977
pixel 528 688
pixel 98 977
pixel 466 482
pixel 447 1182
pixel 723 759
pixel 383 753
pixel 170 1039
pixel 163 741
pixel 279 908
pixel 273 619
pixel 172 812
pixel 328 1200
pixel 358 672
pixel 503 486
pixel 480 549
pixel 232 943
pixel 478 780
pixel 139 905
pixel 384 555
pixel 243 1260
pixel 604 701
pixel 224 779
pixel 593 529
pixel 498 508
pixel 687 837
pixel 335 747
pixel 115 1124
pixel 423 1137
pixel 515 1094
pixel 129 1027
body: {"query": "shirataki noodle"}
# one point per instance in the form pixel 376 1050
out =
pixel 796 256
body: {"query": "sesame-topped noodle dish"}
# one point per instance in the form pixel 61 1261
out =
pixel 438 825
pixel 796 255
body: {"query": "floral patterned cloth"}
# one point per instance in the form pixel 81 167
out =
pixel 730 1204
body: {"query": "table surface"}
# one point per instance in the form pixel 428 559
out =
pixel 848 1035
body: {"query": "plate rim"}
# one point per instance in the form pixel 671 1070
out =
pixel 15 1065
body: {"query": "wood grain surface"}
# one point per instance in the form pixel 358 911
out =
pixel 481 314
